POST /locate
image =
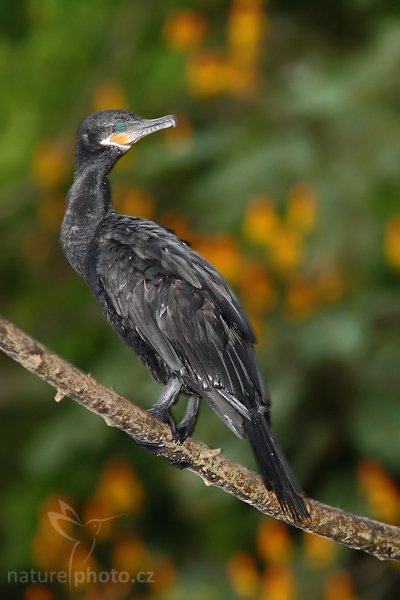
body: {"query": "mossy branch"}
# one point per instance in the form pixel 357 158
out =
pixel 378 539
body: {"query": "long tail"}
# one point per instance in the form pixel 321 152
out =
pixel 275 471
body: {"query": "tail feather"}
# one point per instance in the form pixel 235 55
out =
pixel 275 471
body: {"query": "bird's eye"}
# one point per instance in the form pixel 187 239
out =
pixel 120 127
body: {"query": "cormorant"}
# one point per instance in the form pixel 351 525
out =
pixel 168 303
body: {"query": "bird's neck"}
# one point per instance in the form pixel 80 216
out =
pixel 88 203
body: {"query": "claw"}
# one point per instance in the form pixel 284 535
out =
pixel 185 428
pixel 164 415
pixel 180 432
pixel 156 449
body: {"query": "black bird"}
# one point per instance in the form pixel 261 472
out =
pixel 168 303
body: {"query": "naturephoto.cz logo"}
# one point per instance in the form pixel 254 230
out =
pixel 79 572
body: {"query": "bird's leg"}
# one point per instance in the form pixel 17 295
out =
pixel 186 426
pixel 162 410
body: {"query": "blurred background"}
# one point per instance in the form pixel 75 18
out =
pixel 284 172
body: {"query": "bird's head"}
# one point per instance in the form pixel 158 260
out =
pixel 111 133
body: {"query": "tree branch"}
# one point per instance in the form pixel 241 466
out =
pixel 378 539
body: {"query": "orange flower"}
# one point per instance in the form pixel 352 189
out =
pixel 243 574
pixel 279 584
pixel 339 585
pixel 135 201
pixel 164 574
pixel 224 253
pixel 274 542
pixel 319 552
pixel 129 554
pixel 37 246
pixel 329 285
pixel 94 509
pixel 80 559
pixel 392 242
pixel 261 220
pixel 257 290
pixel 206 74
pixel 118 491
pixel 50 549
pixel 38 592
pixel 185 30
pixel 51 164
pixel 51 210
pixel 179 224
pixel 381 491
pixel 111 590
pixel 108 95
pixel 302 208
pixel 180 138
pixel 300 300
pixel 241 78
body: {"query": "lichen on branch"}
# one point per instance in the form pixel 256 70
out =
pixel 376 538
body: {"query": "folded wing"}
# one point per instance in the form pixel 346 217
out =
pixel 182 308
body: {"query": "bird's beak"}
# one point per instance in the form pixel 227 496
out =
pixel 140 129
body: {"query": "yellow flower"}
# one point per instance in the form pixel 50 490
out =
pixel 185 30
pixel 285 250
pixel 302 208
pixel 247 26
pixel 243 574
pixel 392 242
pixel 261 220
